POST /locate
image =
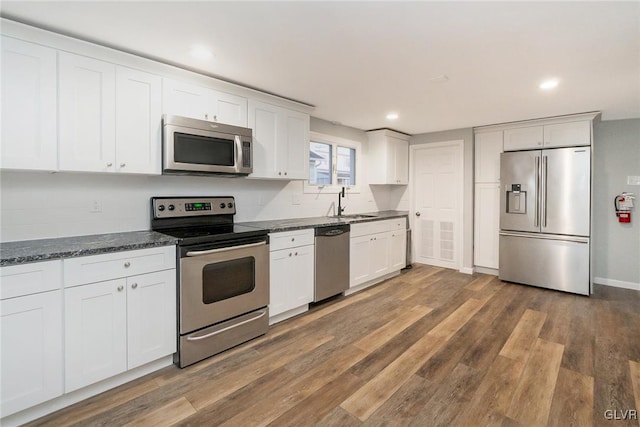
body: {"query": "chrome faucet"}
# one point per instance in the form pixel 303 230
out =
pixel 340 196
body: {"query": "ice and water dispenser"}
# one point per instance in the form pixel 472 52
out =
pixel 516 200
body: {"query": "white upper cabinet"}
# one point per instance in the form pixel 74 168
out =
pixel 197 102
pixel 280 142
pixel 87 114
pixel 523 138
pixel 488 147
pixel 110 117
pixel 138 121
pixel 388 157
pixel 29 115
pixel 567 134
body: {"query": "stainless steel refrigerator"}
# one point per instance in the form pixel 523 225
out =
pixel 545 218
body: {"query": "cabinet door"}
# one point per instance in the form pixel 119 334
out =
pixel 263 119
pixel 227 108
pixel 397 250
pixel 488 147
pixel 523 138
pixel 401 168
pixel 359 260
pixel 29 113
pixel 87 114
pixel 380 254
pixel 31 350
pixel 291 278
pixel 151 317
pixel 487 225
pixel 183 99
pixel 138 121
pixel 95 332
pixel 568 134
pixel 295 149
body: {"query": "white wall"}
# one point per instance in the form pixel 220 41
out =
pixel 42 205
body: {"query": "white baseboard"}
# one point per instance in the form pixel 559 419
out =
pixel 487 270
pixel 467 270
pixel 288 314
pixel 616 283
pixel 68 399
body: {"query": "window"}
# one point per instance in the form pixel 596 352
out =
pixel 333 163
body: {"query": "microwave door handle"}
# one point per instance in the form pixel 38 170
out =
pixel 239 153
pixel 230 248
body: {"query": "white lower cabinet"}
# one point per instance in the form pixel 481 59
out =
pixel 487 225
pixel 291 278
pixel 31 335
pixel 119 324
pixel 31 350
pixel 376 249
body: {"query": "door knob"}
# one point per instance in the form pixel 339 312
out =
pixel 417 213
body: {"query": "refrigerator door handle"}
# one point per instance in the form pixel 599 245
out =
pixel 543 204
pixel 574 239
pixel 536 218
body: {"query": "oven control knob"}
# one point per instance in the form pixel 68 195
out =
pixel 161 208
pixel 229 205
pixel 222 205
pixel 171 207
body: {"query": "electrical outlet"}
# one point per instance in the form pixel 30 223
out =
pixel 95 206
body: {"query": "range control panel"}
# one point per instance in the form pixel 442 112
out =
pixel 177 207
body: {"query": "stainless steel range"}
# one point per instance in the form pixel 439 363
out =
pixel 223 269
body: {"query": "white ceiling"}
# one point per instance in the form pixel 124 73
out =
pixel 356 61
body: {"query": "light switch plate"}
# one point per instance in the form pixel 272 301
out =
pixel 633 180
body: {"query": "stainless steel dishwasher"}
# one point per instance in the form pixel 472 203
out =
pixel 332 261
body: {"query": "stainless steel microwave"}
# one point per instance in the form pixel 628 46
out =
pixel 196 147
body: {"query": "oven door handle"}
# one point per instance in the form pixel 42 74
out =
pixel 231 248
pixel 227 328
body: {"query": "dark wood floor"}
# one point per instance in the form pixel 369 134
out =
pixel 431 347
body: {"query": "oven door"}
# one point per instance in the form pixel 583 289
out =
pixel 222 283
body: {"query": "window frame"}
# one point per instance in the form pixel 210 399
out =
pixel 335 141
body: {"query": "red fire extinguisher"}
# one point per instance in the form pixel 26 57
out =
pixel 623 204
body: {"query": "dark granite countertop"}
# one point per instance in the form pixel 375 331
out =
pixel 291 224
pixel 21 252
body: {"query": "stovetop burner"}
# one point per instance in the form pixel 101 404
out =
pixel 196 220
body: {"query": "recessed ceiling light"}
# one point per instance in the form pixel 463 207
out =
pixel 392 116
pixel 549 84
pixel 201 52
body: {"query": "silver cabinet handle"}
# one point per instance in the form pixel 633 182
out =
pixel 232 248
pixel 293 239
pixel 226 329
pixel 123 165
pixel 289 253
pixel 109 164
pixel 574 239
pixel 135 285
pixel 127 264
pixel 296 254
pixel 215 118
pixel 120 288
pixel 417 213
pixel 285 173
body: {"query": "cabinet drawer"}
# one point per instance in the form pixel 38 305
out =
pixel 291 239
pixel 27 279
pixel 374 227
pixel 97 268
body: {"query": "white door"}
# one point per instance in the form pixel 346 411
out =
pixel 397 256
pixel 227 108
pixel 29 113
pixel 295 156
pixel 359 251
pixel 87 114
pixel 151 317
pixel 302 277
pixel 138 121
pixel 379 255
pixel 31 350
pixel 280 281
pixel 437 207
pixel 183 99
pixel 487 225
pixel 95 332
pixel 401 161
pixel 265 122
